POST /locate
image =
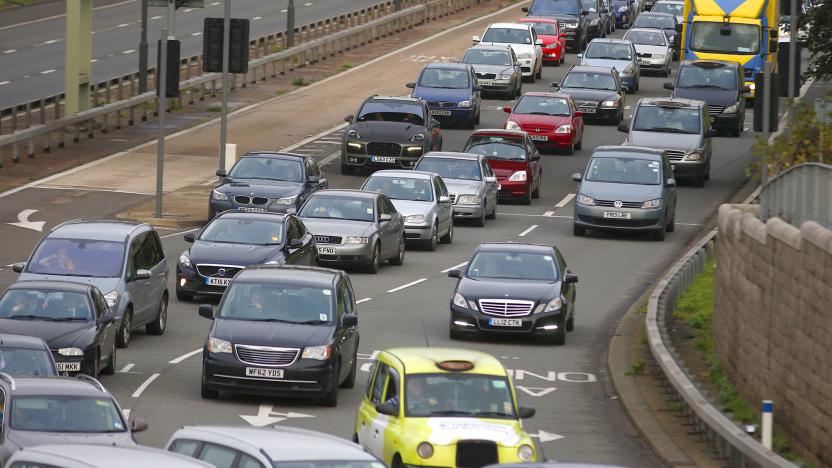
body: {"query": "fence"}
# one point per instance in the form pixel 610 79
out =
pixel 801 193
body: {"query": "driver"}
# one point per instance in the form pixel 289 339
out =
pixel 419 401
pixel 256 307
pixel 61 259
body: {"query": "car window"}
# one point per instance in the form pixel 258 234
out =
pixel 541 105
pixel 281 302
pixel 465 169
pixel 379 383
pixel 217 455
pixel 135 260
pixel 26 464
pixel 150 256
pixel 391 392
pixel 400 188
pixel 346 295
pixel 77 257
pixel 444 78
pixel 667 119
pixel 513 265
pixel 508 36
pixel 589 80
pixel 387 206
pixel 561 261
pixel 299 226
pixel 234 230
pixel 292 231
pixel 25 362
pixel 339 207
pixel 341 302
pixel 608 51
pixel 442 186
pixel 312 168
pixel 437 189
pixel 248 462
pixel 487 57
pixel 65 413
pixel 160 251
pixel 624 170
pixel 185 447
pixel 402 112
pixel 255 167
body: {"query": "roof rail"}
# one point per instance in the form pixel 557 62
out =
pixel 71 221
pixel 91 380
pixel 8 378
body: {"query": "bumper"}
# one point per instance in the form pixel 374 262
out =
pixel 601 114
pixel 445 455
pixel 218 206
pixel 413 232
pixel 640 220
pixel 363 160
pixel 497 86
pixel 74 365
pixel 688 168
pixel 511 189
pixel 526 66
pixel 654 64
pixel 472 321
pixel 726 120
pixel 629 81
pixel 593 30
pixel 347 254
pixel 454 114
pixel 304 378
pixel 192 283
pixel 467 211
pixel 572 37
pixel 552 55
pixel 553 140
pixel 622 18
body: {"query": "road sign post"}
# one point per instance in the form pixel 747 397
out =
pixel 143 50
pixel 161 107
pixel 290 24
pixel 78 74
pixel 226 35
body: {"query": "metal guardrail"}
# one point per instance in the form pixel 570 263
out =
pixel 801 193
pixel 726 438
pixel 112 115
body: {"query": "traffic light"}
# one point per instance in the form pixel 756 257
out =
pixel 171 70
pixel 774 101
pixel 237 47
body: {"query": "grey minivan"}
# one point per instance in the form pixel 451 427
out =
pixel 124 260
pixel 101 456
pixel 626 188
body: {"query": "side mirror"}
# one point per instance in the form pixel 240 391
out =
pixel 384 217
pixel 107 318
pixel 455 274
pixel 295 244
pixel 189 237
pixel 348 119
pixel 538 42
pixel 576 177
pixel 518 63
pixel 138 425
pixel 411 85
pixel 625 88
pixel 623 128
pixel 712 133
pixel 525 9
pixel 444 199
pixel 313 179
pixel 350 321
pixel 524 412
pixel 569 278
pixel 668 86
pixel 491 180
pixel 678 27
pixel 19 267
pixel 584 12
pixel 435 123
pixel 221 173
pixel 291 210
pixel 579 114
pixel 555 86
pixel 477 88
pixel 746 90
pixel 476 39
pixel 507 109
pixel 143 274
pixel 670 182
pixel 206 311
pixel 387 409
pixel 535 157
pixel 579 56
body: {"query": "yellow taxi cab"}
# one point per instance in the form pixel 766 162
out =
pixel 442 407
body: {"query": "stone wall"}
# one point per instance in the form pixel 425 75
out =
pixel 773 322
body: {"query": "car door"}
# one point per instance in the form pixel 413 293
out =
pixel 705 114
pixel 538 50
pixel 160 268
pixel 138 289
pixel 568 290
pixel 669 193
pixel 433 131
pixel 443 209
pixel 577 120
pixel 393 229
pixel 308 250
pixel 346 336
pixel 372 424
pixel 491 185
pixel 106 332
pixel 535 168
pixel 476 95
pixel 292 255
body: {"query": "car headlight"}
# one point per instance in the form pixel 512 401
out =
pixel 272 262
pixel 564 129
pixel 571 25
pixel 630 69
pixel 609 104
pixel 696 155
pixel 751 86
pixel 460 301
pixel 356 146
pixel 623 9
pixel 415 219
pixel 468 200
pixel 219 196
pixel 216 345
pixel 658 56
pixel 465 104
pixel 524 55
pixel 353 135
pixel 184 261
pixel 526 453
pixel 553 305
pixel 585 200
pixel 652 204
pixel 111 298
pixel 287 200
pixel 71 352
pixel 319 353
pixel 356 240
pixel 512 125
pixel 504 77
pixel 519 176
pixel 594 21
pixel 731 109
pixel 417 137
pixel 424 450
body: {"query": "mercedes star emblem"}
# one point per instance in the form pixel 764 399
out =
pixel 618 204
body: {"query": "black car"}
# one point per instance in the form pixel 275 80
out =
pixel 664 21
pixel 597 91
pixel 72 318
pixel 265 181
pixel 389 133
pixel 572 19
pixel 598 18
pixel 235 240
pixel 519 289
pixel 22 355
pixel 283 331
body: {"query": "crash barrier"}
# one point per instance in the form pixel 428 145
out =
pixel 801 193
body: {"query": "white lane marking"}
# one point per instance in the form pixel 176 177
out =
pixel 314 137
pixel 50 41
pixel 532 215
pixel 48 18
pixel 188 10
pixel 283 11
pixel 198 33
pixel 93 60
pixel 126 412
pixel 144 385
pixel 46 72
pixel 4 82
pixel 10 51
pixel 257 18
pixel 156 17
pixel 129 51
pixel 530 229
pixel 328 142
pixel 412 283
pixel 548 213
pixel 87 189
pixel 214 4
pixel 366 299
pixel 123 25
pixel 307 4
pixel 689 224
pixel 568 198
pixel 178 233
pixel 185 356
pixel 127 368
pixel 329 159
pixel 454 267
pixel 23 221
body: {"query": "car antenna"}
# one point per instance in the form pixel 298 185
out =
pixel 425 330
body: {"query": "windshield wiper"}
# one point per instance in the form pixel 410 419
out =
pixel 30 317
pixel 312 322
pixel 704 86
pixel 607 58
pixel 493 414
pixel 451 413
pixel 539 113
pixel 69 319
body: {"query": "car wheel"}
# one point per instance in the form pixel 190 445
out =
pixel 671 226
pixel 375 263
pixel 735 132
pixel 449 236
pixel 699 181
pixel 330 398
pixel 571 149
pixel 157 327
pixel 536 192
pixel 493 214
pixel 471 124
pixel 111 363
pixel 658 235
pixel 480 222
pixel 397 462
pixel 346 169
pixel 578 231
pixel 398 260
pixel 183 296
pixel 559 337
pixel 350 382
pixel 527 198
pixel 570 322
pixel 477 121
pixel 207 392
pixel 123 336
pixel 539 73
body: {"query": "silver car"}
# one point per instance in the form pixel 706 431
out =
pixel 626 188
pixel 472 186
pixel 423 200
pixel 614 53
pixel 355 228
pixel 100 456
pixel 653 49
pixel 497 69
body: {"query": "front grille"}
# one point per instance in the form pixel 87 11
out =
pixel 328 239
pixel 537 128
pixel 624 204
pixel 266 355
pixel 562 24
pixel 453 198
pixel 715 110
pixel 675 155
pixel 632 223
pixel 506 307
pixel 244 200
pixel 378 148
pixel 645 55
pixel 441 104
pixel 487 76
pixel 218 271
pixel 589 104
pixel 476 453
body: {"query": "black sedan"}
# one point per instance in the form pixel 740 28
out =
pixel 26 355
pixel 520 289
pixel 72 318
pixel 235 240
pixel 597 91
pixel 283 331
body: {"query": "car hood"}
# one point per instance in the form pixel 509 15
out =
pixel 547 39
pixel 486 288
pixel 619 65
pixel 559 16
pixel 105 285
pixel 265 188
pixel 532 119
pixel 338 227
pixel 624 192
pixel 271 334
pixel 714 97
pixel 396 132
pixel 449 431
pixel 677 141
pixel 411 207
pixel 651 49
pixel 233 254
pixel 32 438
pixel 55 334
pixel 589 94
pixel 442 94
pixel 461 186
pixel 497 69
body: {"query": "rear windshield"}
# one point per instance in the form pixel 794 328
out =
pixel 77 257
pixel 54 413
pixel 496 147
pixel 410 113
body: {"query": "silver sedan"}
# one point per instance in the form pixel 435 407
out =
pixel 653 49
pixel 472 185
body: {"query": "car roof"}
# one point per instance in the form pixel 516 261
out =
pixel 545 94
pixel 451 155
pixel 109 456
pixel 657 13
pixel 403 173
pixel 81 385
pixel 652 30
pixel 670 102
pixel 499 132
pixel 508 26
pixel 420 360
pixel 281 443
pixel 345 193
pixel 611 40
pixel 537 19
pixel 616 150
pixel 711 63
pixel 394 99
pixel 100 230
pixel 273 154
pixel 293 274
pixel 448 65
pixel 514 247
pixel 502 48
pixel 22 341
pixel 590 68
pixel 55 285
pixel 265 216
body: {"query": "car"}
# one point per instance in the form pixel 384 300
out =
pixel 388 132
pixel 442 407
pixel 282 331
pixel 496 69
pixel 625 13
pixel 626 188
pixel 664 21
pixel 536 293
pixel 653 49
pixel 60 410
pixel 471 182
pixel 785 27
pixel 22 355
pixel 513 158
pixel 554 40
pixel 721 85
pixel 522 38
pixel 423 200
pixel 234 240
pixel 268 447
pixel 266 181
pixel 72 318
pixel 571 18
pixel 597 18
pixel 451 91
pixel 682 127
pixel 619 54
pixel 597 91
pixel 553 465
pixel 552 121
pixel 610 7
pixel 355 228
pixel 672 7
pixel 124 260
pixel 100 456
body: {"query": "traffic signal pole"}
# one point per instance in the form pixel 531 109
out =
pixel 226 35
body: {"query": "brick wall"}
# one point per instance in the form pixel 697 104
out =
pixel 773 321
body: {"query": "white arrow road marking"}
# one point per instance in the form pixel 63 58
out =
pixel 536 391
pixel 266 416
pixel 23 221
pixel 544 436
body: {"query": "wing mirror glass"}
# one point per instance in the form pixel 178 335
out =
pixel 350 321
pixel 313 179
pixel 569 278
pixel 138 425
pixel 221 173
pixel 524 412
pixel 411 85
pixel 579 56
pixel 623 128
pixel 670 182
pixel 668 86
pixel 348 119
pixel 388 409
pixel 491 180
pixel 384 217
pixel 444 199
pixel 538 42
pixel 19 267
pixel 576 177
pixel 206 311
pixel 143 274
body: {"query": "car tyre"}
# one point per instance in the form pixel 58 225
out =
pixel 493 214
pixel 111 363
pixel 430 244
pixel 580 144
pixel 571 149
pixel 527 198
pixel 578 231
pixel 330 398
pixel 398 260
pixel 346 169
pixel 570 322
pixel 671 226
pixel 123 336
pixel 699 181
pixel 659 235
pixel 157 327
pixel 183 296
pixel 375 263
pixel 536 192
pixel 477 119
pixel 559 337
pixel 207 392
pixel 480 222
pixel 350 381
pixel 539 73
pixel 449 236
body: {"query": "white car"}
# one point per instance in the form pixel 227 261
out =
pixel 653 49
pixel 673 7
pixel 785 31
pixel 522 38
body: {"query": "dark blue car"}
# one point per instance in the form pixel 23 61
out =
pixel 625 13
pixel 451 91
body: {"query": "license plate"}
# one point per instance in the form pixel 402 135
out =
pixel 505 322
pixel 218 281
pixel 644 61
pixel 617 215
pixel 673 167
pixel 249 209
pixel 326 250
pixel 262 372
pixel 439 112
pixel 485 82
pixel 539 137
pixel 69 366
pixel 383 159
pixel 587 110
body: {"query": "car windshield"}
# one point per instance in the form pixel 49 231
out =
pixel 608 51
pixel 624 170
pixel 465 169
pixel 542 105
pixel 458 395
pixel 328 464
pixel 508 36
pixel 487 57
pixel 655 22
pixel 444 78
pixel 692 76
pixel 590 6
pixel 252 167
pixel 589 80
pixel 77 257
pixel 273 302
pixel 26 361
pixel 736 38
pixel 672 8
pixel 497 147
pixel 655 38
pixel 667 119
pixel 513 265
pixel 555 7
pixel 32 304
pixel 401 188
pixel 339 207
pixel 230 230
pixel 544 29
pixel 409 113
pixel 58 413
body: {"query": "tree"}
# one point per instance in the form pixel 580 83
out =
pixel 799 143
pixel 820 40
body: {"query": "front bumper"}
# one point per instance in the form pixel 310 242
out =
pixel 640 219
pixel 526 66
pixel 685 169
pixel 654 63
pixel 193 284
pixel 598 113
pixel 74 365
pixel 467 211
pixel 453 114
pixel 512 189
pixel 726 120
pixel 304 378
pixel 404 161
pixel 218 206
pixel 414 232
pixel 446 455
pixel 495 85
pixel 552 140
pixel 552 55
pixel 466 320
pixel 629 80
pixel 346 254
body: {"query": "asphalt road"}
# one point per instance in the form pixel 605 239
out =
pixel 32 52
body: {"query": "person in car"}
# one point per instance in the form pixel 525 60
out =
pixel 61 259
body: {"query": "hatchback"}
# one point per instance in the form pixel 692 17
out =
pixel 619 54
pixel 496 69
pixel 552 121
pixel 102 456
pixel 554 40
pixel 653 49
pixel 451 92
pixel 720 84
pixel 515 160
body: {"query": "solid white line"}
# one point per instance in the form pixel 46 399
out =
pixel 144 385
pixel 530 229
pixel 178 234
pixel 156 17
pixel 689 224
pixel 127 368
pixel 185 356
pixel 126 412
pixel 283 11
pixel 314 137
pixel 50 41
pixel 4 82
pixel 527 215
pixel 129 51
pixel 454 267
pixel 329 159
pixel 548 213
pixel 10 51
pixel 568 198
pixel 198 33
pixel 366 299
pixel 46 72
pixel 412 283
pixel 85 189
pixel 123 25
pixel 257 18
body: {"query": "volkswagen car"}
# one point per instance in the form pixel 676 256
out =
pixel 472 184
pixel 552 121
pixel 513 158
pixel 451 91
pixel 496 69
pixel 618 54
pixel 653 49
pixel 523 39
pixel 597 91
pixel 554 40
pixel 663 21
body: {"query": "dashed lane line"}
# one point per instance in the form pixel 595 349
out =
pixel 568 198
pixel 412 283
pixel 548 213
pixel 127 368
pixel 454 267
pixel 178 233
pixel 366 299
pixel 185 356
pixel 144 385
pixel 530 229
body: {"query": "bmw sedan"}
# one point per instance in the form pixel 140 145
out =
pixel 597 91
pixel 472 184
pixel 355 228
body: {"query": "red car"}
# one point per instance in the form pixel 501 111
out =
pixel 554 41
pixel 513 158
pixel 551 120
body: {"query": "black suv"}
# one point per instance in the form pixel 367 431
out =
pixel 282 331
pixel 571 16
pixel 598 92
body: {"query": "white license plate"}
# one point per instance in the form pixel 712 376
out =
pixel 644 61
pixel 673 167
pixel 539 137
pixel 263 372
pixel 218 281
pixel 505 322
pixel 69 366
pixel 587 110
pixel 383 159
pixel 617 215
pixel 439 112
pixel 249 209
pixel 485 82
pixel 326 250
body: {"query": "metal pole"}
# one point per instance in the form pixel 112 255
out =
pixel 822 123
pixel 226 35
pixel 767 423
pixel 766 112
pixel 792 52
pixel 162 108
pixel 143 51
pixel 290 24
pixel 171 19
